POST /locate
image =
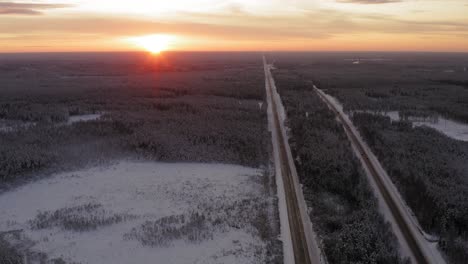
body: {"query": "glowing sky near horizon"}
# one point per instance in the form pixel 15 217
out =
pixel 103 25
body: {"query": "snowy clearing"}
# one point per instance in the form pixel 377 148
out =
pixel 141 212
pixel 448 127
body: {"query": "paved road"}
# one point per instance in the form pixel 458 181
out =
pixel 303 241
pixel 419 250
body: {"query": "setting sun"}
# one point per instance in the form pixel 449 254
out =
pixel 153 43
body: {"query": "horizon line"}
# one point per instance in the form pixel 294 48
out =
pixel 235 51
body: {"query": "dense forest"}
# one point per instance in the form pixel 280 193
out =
pixel 344 209
pixel 429 84
pixel 206 110
pixel 428 168
pixel 430 171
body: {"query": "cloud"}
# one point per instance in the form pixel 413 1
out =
pixel 31 5
pixel 236 26
pixel 13 8
pixel 369 1
pixel 314 24
pixel 18 11
pixel 252 28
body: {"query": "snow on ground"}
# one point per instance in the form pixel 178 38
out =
pixel 141 212
pixel 13 125
pixel 288 254
pixel 5 127
pixel 448 127
pixel 429 248
pixel 83 118
pixel 312 240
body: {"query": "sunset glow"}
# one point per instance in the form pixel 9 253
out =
pixel 153 43
pixel 234 25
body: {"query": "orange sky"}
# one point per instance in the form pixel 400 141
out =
pixel 113 25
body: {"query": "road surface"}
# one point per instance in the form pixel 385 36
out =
pixel 411 239
pixel 304 244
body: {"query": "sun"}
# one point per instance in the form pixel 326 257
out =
pixel 153 43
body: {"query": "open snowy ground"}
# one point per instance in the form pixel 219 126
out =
pixel 453 129
pixel 141 212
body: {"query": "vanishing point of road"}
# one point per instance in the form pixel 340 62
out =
pixel 303 242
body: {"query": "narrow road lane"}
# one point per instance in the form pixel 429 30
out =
pixel 409 236
pixel 303 239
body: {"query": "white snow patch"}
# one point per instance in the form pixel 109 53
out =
pixel 453 129
pixel 83 118
pixel 450 128
pixel 13 125
pixel 147 191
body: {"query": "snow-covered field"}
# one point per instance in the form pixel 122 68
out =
pixel 450 128
pixel 141 212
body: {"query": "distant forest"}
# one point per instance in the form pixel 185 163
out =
pixel 423 83
pixel 201 111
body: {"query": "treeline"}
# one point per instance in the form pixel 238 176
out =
pixel 344 209
pixel 33 112
pixel 431 173
pixel 404 82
